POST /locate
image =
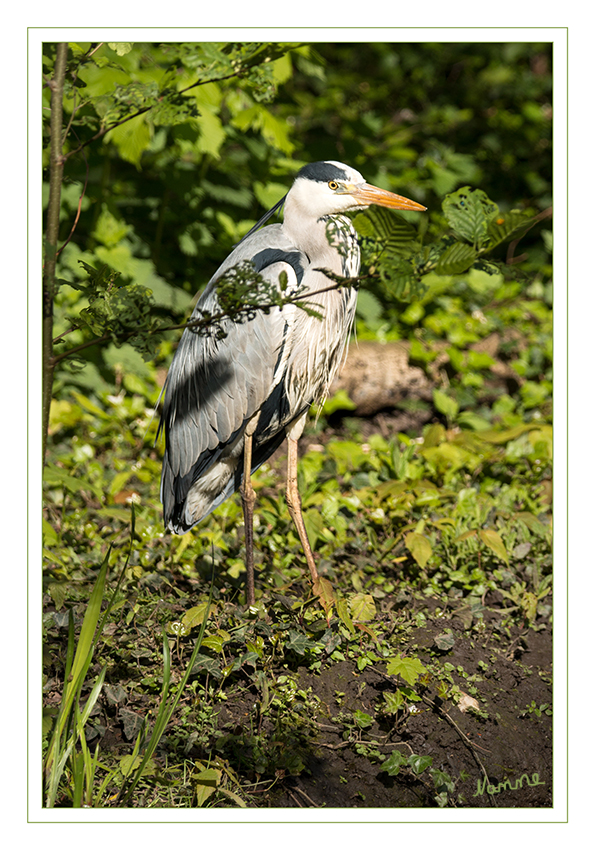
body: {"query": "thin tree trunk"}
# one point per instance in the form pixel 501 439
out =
pixel 51 235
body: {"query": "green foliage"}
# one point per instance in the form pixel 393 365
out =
pixel 216 124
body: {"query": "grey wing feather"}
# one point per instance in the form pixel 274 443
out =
pixel 215 386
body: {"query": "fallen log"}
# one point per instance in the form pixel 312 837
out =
pixel 377 376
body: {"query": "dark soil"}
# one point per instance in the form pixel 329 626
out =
pixel 506 750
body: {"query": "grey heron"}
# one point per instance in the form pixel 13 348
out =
pixel 229 403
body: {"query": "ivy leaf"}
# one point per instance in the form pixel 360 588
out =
pixel 393 764
pixel 208 664
pixel 445 641
pixel 297 642
pixel 362 719
pixel 419 763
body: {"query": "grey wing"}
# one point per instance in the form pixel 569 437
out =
pixel 215 386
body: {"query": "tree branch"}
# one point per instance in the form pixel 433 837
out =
pixel 104 130
pixel 51 236
pixel 203 322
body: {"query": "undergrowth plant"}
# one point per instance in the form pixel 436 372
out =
pixel 69 765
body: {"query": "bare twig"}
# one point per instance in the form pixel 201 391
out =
pixel 309 799
pixel 79 207
pixel 295 799
pixel 97 341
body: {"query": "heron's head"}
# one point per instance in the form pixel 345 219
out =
pixel 327 188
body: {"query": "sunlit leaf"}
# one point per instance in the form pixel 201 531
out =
pixel 362 606
pixel 409 669
pixel 323 589
pixel 343 614
pixel 493 540
pixel 419 546
pixel 469 212
pixel 445 404
pixel 194 616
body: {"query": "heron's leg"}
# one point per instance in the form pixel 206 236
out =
pixel 248 501
pixel 294 504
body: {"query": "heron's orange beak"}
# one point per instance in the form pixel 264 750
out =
pixel 366 194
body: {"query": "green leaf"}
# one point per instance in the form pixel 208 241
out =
pixel 469 212
pixel 445 404
pixel 445 641
pixel 363 225
pixel 297 642
pixel 419 546
pixel 323 589
pixel 396 235
pixel 493 540
pixel 419 763
pixel 369 307
pixel 456 259
pixel 362 719
pixel 508 226
pixel 393 764
pixel 56 477
pixel 393 702
pixel 214 642
pixel 121 47
pixel 204 790
pixel 210 776
pixel 409 669
pixel 339 401
pixel 363 608
pixel 533 524
pixel 194 616
pixel 132 139
pixel 343 614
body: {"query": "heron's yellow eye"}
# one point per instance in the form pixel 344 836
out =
pixel 333 185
